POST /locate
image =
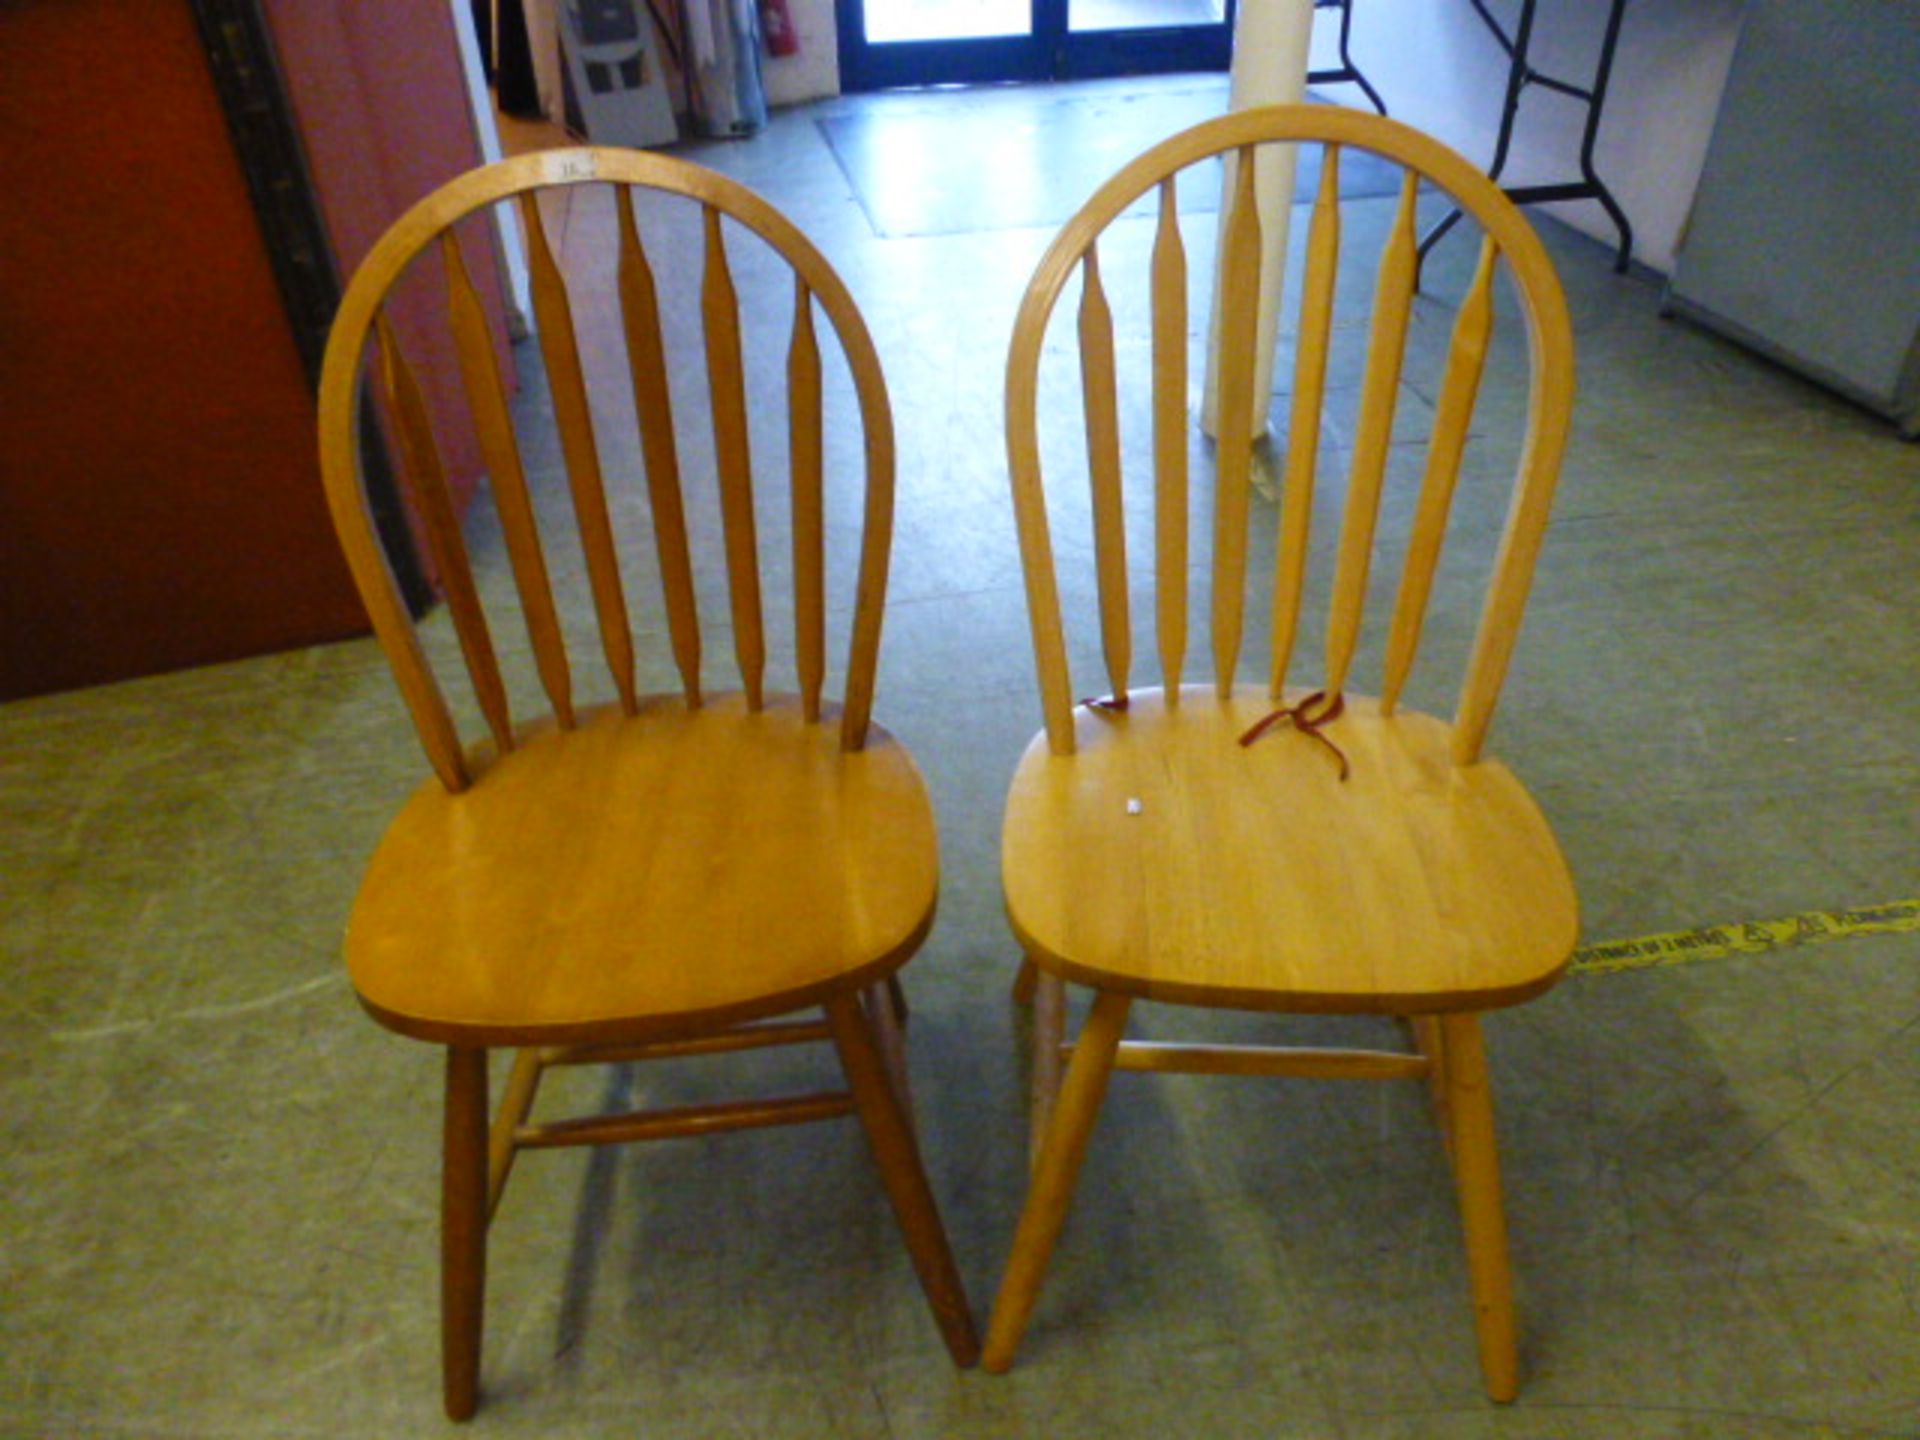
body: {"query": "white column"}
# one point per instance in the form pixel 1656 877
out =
pixel 486 132
pixel 1270 41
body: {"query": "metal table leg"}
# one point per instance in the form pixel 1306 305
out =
pixel 1520 74
pixel 1346 69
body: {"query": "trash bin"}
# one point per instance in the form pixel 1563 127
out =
pixel 721 40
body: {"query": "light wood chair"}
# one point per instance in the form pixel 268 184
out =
pixel 1266 846
pixel 661 875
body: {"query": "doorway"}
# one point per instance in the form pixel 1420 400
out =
pixel 889 43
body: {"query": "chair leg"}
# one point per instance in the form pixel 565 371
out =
pixel 1024 982
pixel 1049 1028
pixel 1051 1189
pixel 1427 1036
pixel 523 1083
pixel 463 1230
pixel 884 1018
pixel 1477 1177
pixel 898 996
pixel 898 1157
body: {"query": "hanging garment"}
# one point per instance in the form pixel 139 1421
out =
pixel 724 86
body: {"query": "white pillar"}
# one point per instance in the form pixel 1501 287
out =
pixel 1270 41
pixel 486 132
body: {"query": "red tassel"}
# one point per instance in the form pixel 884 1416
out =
pixel 1308 716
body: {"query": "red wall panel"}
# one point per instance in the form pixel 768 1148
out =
pixel 381 101
pixel 160 500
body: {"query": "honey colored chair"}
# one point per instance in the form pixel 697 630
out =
pixel 1271 846
pixel 661 875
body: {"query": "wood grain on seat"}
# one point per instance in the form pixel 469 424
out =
pixel 1165 859
pixel 647 874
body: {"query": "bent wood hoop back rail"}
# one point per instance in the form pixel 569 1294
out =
pixel 814 281
pixel 1550 357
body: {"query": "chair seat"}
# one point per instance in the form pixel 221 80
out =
pixel 1254 877
pixel 647 875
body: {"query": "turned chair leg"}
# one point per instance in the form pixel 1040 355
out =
pixel 1049 1029
pixel 1024 982
pixel 463 1230
pixel 1483 1217
pixel 523 1083
pixel 906 1181
pixel 883 1016
pixel 1050 1191
pixel 1426 1035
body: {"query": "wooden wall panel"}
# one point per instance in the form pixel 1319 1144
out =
pixel 160 499
pixel 160 502
pixel 381 102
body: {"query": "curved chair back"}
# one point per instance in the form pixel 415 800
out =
pixel 1509 243
pixel 427 232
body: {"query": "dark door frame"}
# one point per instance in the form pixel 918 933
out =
pixel 1050 51
pixel 266 143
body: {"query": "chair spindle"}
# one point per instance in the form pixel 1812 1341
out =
pixel 809 522
pixel 720 313
pixel 426 482
pixel 488 401
pixel 560 350
pixel 1550 341
pixel 1393 300
pixel 1466 359
pixel 1239 309
pixel 1170 439
pixel 1303 432
pixel 1102 410
pixel 653 405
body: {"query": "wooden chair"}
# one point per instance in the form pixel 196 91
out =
pixel 1266 846
pixel 660 875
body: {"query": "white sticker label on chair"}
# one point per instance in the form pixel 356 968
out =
pixel 565 165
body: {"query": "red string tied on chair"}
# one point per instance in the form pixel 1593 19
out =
pixel 1307 719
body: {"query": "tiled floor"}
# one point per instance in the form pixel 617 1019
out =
pixel 926 163
pixel 217 1182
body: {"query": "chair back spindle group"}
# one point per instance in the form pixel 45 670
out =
pixel 1508 239
pixel 643 330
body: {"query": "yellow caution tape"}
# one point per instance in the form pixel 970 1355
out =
pixel 1750 937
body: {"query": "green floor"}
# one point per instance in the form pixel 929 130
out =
pixel 217 1180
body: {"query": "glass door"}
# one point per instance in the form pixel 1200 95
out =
pixel 889 21
pixel 889 43
pixel 886 43
pixel 1136 37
